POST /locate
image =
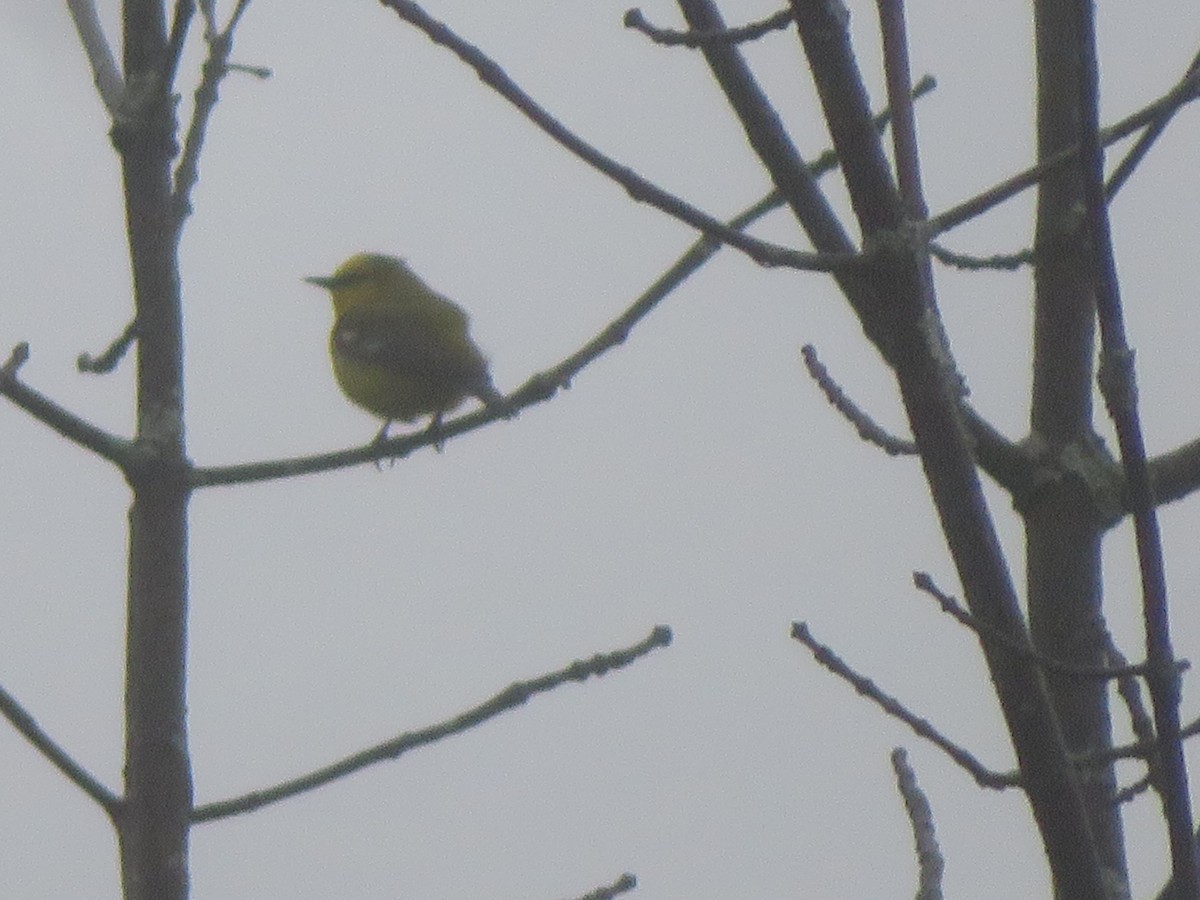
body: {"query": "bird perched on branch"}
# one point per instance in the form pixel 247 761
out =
pixel 400 350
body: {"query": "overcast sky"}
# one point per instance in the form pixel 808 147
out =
pixel 691 477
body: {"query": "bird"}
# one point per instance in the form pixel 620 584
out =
pixel 400 350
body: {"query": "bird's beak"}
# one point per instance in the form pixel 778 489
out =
pixel 322 281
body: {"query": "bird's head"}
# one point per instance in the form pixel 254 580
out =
pixel 368 279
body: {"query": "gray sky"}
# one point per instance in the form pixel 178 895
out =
pixel 692 476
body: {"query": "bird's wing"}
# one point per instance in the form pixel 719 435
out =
pixel 412 345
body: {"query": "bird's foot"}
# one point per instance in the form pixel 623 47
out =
pixel 435 431
pixel 378 441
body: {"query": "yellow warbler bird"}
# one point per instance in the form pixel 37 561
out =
pixel 401 350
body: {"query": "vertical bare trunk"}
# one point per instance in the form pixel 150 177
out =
pixel 1063 528
pixel 154 820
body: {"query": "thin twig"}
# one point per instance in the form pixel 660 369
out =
pixel 930 863
pixel 1004 262
pixel 511 697
pixel 1154 118
pixel 639 188
pixel 668 37
pixel 23 721
pixel 1145 141
pixel 924 582
pixel 115 449
pixel 1136 750
pixel 216 67
pixel 1184 92
pixel 868 429
pixel 113 353
pixel 1134 790
pixel 622 885
pixel 1130 691
pixel 16 359
pixel 1140 722
pixel 983 776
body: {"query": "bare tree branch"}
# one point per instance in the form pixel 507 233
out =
pixel 1175 474
pixel 509 698
pixel 1010 464
pixel 180 22
pixel 1117 385
pixel 893 29
pixel 105 71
